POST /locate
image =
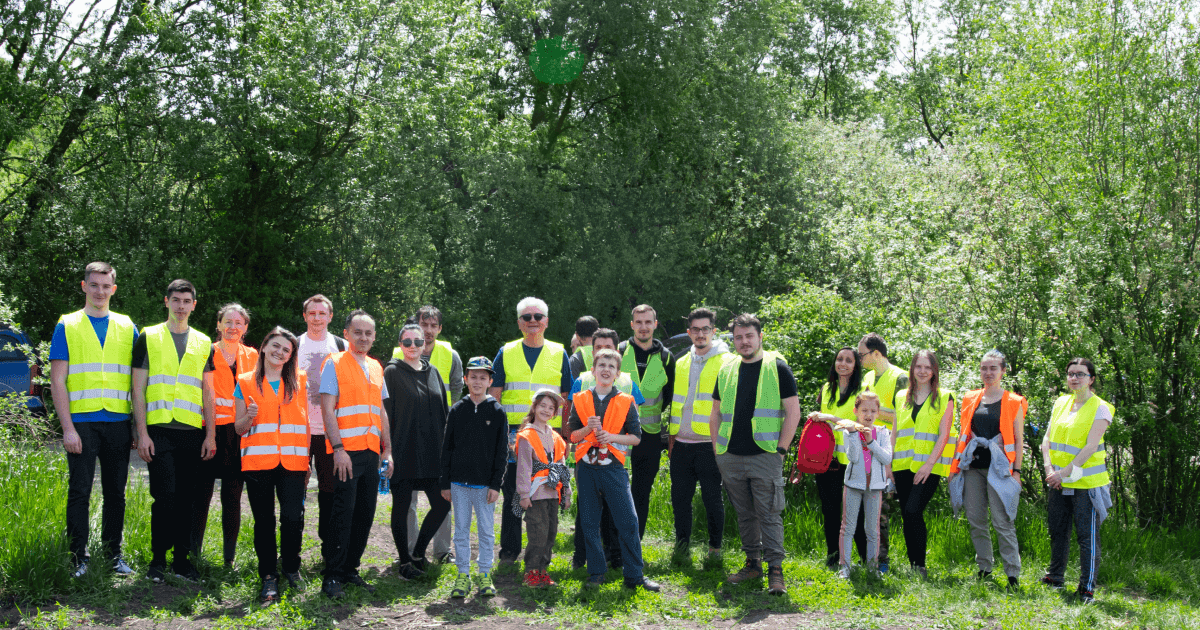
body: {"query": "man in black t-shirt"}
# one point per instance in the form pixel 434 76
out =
pixel 751 429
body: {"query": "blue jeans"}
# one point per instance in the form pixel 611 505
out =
pixel 608 485
pixel 465 499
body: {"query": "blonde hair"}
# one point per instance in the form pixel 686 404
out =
pixel 867 395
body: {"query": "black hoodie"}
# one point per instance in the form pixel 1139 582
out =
pixel 416 408
pixel 475 451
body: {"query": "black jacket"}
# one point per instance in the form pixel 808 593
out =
pixel 416 408
pixel 475 450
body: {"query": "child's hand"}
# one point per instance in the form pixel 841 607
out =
pixel 525 503
pixel 446 494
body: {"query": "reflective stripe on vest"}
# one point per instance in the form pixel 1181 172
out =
pixel 520 382
pixel 99 377
pixel 916 437
pixel 1068 437
pixel 174 389
pixel 768 408
pixel 225 379
pixel 279 434
pixel 1011 406
pixel 651 386
pixel 613 422
pixel 845 412
pixel 530 434
pixel 359 403
pixel 702 402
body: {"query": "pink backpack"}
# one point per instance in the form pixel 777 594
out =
pixel 816 448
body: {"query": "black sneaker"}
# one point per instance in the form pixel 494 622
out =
pixel 358 581
pixel 681 555
pixel 188 574
pixel 1051 582
pixel 983 575
pixel 120 568
pixel 1085 596
pixel 645 584
pixel 157 573
pixel 1014 584
pixel 333 589
pixel 594 582
pixel 295 582
pixel 446 558
pixel 408 572
pixel 270 589
pixel 421 564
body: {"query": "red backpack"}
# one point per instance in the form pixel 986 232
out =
pixel 816 448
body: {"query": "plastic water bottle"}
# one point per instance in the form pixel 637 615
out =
pixel 384 484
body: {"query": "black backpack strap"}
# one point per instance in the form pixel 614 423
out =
pixel 340 343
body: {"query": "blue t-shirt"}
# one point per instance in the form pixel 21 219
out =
pixel 59 351
pixel 531 357
pixel 329 383
pixel 237 389
pixel 636 393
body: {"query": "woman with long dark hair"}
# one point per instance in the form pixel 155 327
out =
pixel 229 359
pixel 842 386
pixel 922 448
pixel 272 418
pixel 1076 471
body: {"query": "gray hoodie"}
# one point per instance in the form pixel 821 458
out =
pixel 686 434
pixel 881 456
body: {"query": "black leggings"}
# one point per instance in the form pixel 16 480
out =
pixel 231 513
pixel 402 490
pixel 913 499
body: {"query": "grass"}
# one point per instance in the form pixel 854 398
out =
pixel 1148 579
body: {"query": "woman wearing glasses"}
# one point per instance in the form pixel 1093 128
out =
pixel 416 405
pixel 836 400
pixel 1074 456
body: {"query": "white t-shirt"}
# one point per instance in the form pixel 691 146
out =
pixel 311 356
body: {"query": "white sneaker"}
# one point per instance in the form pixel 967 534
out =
pixel 844 572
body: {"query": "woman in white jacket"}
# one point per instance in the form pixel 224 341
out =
pixel 869 450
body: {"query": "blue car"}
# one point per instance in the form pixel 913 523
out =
pixel 17 372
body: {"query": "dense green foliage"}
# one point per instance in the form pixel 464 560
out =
pixel 957 175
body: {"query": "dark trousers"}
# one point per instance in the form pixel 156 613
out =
pixel 402 493
pixel 262 488
pixel 326 479
pixel 351 512
pixel 609 485
pixel 109 442
pixel 174 470
pixel 913 499
pixel 1063 511
pixel 510 524
pixel 830 485
pixel 541 524
pixel 692 463
pixel 231 513
pixel 608 537
pixel 645 459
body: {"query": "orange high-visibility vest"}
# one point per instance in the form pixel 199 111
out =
pixel 530 435
pixel 279 433
pixel 224 379
pixel 1010 405
pixel 360 403
pixel 614 421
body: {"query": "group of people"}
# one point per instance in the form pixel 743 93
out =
pixel 534 416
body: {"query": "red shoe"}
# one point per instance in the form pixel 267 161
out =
pixel 533 578
pixel 547 581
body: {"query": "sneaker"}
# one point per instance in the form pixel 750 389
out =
pixel 645 584
pixel 462 585
pixel 188 574
pixel 594 582
pixel 1085 596
pixel 844 572
pixel 487 588
pixel 1014 584
pixel 920 571
pixel 333 589
pixel 832 561
pixel 775 583
pixel 421 564
pixel 80 570
pixel 270 589
pixel 446 558
pixel 578 564
pixel 751 571
pixel 714 560
pixel 358 581
pixel 157 573
pixel 682 554
pixel 883 567
pixel 408 572
pixel 1051 582
pixel 982 575
pixel 120 568
pixel 533 579
pixel 547 581
pixel 295 582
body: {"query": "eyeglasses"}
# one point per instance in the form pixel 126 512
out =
pixel 700 331
pixel 408 343
pixel 532 316
pixel 1078 375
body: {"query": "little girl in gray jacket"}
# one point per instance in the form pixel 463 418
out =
pixel 869 449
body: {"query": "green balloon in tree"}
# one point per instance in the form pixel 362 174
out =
pixel 556 61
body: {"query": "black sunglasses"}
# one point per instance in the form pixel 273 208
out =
pixel 532 316
pixel 408 343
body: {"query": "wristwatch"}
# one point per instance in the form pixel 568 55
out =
pixel 782 450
